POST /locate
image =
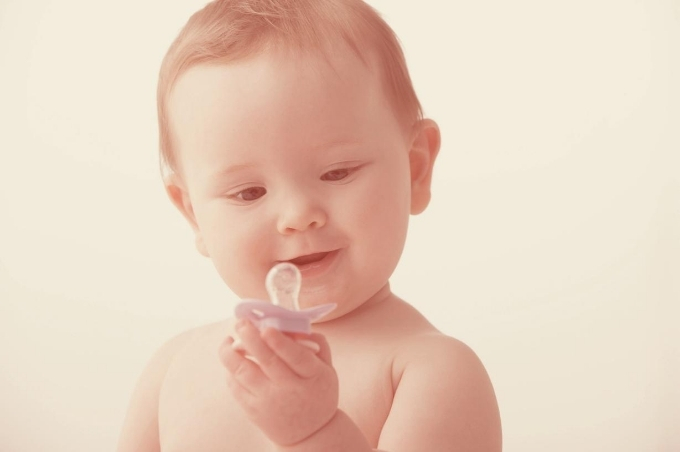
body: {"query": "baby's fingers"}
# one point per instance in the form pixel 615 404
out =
pixel 243 370
pixel 299 357
pixel 324 352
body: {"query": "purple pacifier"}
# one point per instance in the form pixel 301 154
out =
pixel 283 313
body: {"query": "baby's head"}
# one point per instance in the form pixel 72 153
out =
pixel 290 131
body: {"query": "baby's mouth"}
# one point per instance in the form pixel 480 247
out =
pixel 308 259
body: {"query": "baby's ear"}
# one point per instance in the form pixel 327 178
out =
pixel 179 195
pixel 424 149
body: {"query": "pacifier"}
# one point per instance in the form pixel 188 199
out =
pixel 283 284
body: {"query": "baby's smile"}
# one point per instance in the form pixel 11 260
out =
pixel 315 264
pixel 308 259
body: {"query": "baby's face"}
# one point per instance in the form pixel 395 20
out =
pixel 287 159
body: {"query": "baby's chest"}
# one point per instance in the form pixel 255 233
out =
pixel 197 412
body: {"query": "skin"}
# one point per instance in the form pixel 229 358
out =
pixel 280 158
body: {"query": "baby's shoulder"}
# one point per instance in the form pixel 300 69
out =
pixel 196 336
pixel 432 352
pixel 184 342
pixel 438 377
pixel 164 355
pixel 140 427
pixel 433 342
pixel 417 342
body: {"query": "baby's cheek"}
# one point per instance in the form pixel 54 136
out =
pixel 383 224
pixel 241 258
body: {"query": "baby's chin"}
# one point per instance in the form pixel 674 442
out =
pixel 318 295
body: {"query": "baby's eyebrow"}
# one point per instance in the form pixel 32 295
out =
pixel 335 144
pixel 231 170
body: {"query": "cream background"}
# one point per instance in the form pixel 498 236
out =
pixel 552 245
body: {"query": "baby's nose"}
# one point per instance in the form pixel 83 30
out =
pixel 301 213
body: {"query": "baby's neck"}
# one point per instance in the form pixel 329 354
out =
pixel 367 312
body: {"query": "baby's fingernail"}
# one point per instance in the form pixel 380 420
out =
pixel 309 344
pixel 237 345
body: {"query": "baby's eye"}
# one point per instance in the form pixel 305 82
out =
pixel 338 174
pixel 250 194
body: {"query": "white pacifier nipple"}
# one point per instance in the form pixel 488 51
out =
pixel 283 285
pixel 283 311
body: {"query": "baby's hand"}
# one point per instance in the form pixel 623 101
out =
pixel 289 391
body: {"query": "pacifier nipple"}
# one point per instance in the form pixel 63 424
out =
pixel 283 285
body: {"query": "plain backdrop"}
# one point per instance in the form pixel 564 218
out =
pixel 551 247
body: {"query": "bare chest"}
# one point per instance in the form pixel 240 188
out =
pixel 196 411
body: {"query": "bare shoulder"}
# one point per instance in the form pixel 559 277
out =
pixel 422 348
pixel 434 355
pixel 140 427
pixel 162 358
pixel 443 397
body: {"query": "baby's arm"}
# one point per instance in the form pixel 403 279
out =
pixel 444 401
pixel 140 428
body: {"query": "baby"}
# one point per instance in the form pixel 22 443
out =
pixel 290 132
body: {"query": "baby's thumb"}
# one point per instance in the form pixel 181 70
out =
pixel 324 352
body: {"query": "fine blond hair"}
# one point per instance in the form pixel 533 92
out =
pixel 226 31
